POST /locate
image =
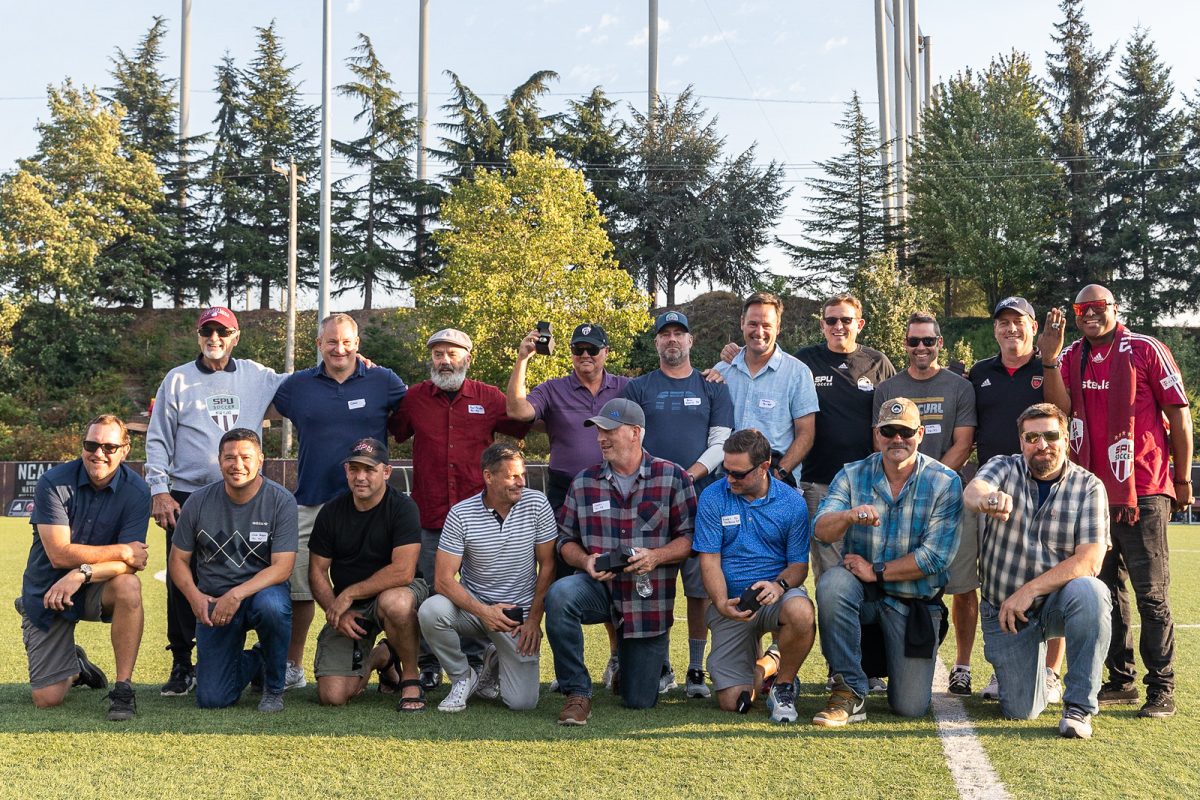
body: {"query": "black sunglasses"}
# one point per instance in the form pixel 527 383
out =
pixel 585 350
pixel 928 341
pixel 1032 437
pixel 738 475
pixel 208 330
pixel 890 431
pixel 831 321
pixel 108 447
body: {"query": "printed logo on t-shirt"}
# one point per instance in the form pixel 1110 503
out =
pixel 865 385
pixel 843 365
pixel 475 409
pixel 359 403
pixel 986 382
pixel 1169 381
pixel 822 381
pixel 223 409
pixel 1036 381
pixel 1120 459
pixel 1088 383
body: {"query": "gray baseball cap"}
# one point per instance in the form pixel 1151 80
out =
pixel 616 413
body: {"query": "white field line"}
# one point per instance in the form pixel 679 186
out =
pixel 161 575
pixel 969 765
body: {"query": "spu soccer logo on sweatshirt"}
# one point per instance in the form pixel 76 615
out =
pixel 223 409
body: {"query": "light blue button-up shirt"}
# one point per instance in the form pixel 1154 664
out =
pixel 771 401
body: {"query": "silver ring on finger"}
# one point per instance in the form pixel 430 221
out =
pixel 993 502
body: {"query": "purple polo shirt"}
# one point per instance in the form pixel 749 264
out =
pixel 563 404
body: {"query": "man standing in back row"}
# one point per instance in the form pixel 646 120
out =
pixel 1117 386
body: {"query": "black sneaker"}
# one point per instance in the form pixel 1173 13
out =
pixel 182 680
pixel 121 703
pixel 431 678
pixel 1159 704
pixel 960 680
pixel 90 675
pixel 1117 694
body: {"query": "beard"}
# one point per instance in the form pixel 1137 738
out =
pixel 1042 470
pixel 448 379
pixel 673 358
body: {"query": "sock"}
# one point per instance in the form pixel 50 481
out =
pixel 696 653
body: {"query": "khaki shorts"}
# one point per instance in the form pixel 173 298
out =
pixel 341 656
pixel 821 555
pixel 298 582
pixel 735 643
pixel 51 653
pixel 964 568
pixel 693 583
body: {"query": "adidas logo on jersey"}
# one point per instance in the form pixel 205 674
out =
pixel 986 382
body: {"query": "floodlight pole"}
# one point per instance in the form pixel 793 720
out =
pixel 422 125
pixel 885 116
pixel 185 85
pixel 326 166
pixel 289 348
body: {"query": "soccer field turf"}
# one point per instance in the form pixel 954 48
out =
pixel 683 748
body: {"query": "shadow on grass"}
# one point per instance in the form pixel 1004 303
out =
pixel 373 715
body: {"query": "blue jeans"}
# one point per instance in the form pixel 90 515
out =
pixel 1080 611
pixel 224 668
pixel 578 600
pixel 842 609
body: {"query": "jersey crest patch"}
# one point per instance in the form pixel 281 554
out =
pixel 1120 459
pixel 1036 381
pixel 224 409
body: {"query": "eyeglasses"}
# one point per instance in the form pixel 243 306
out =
pixel 1098 306
pixel 928 341
pixel 890 431
pixel 108 447
pixel 738 475
pixel 208 331
pixel 1032 437
pixel 831 321
pixel 585 350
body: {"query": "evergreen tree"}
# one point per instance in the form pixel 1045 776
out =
pixel 1188 214
pixel 1079 121
pixel 592 139
pixel 1145 232
pixel 279 127
pixel 849 223
pixel 149 125
pixel 693 216
pixel 983 190
pixel 375 212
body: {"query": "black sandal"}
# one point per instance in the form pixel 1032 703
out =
pixel 386 684
pixel 411 704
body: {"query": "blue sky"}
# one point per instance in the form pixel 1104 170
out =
pixel 775 73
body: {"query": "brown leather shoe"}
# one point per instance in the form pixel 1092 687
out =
pixel 576 710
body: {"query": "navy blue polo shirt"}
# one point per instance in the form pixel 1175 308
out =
pixel 999 400
pixel 330 417
pixel 117 514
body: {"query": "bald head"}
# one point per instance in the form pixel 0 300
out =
pixel 1096 314
pixel 1094 291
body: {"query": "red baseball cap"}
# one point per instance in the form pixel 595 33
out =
pixel 220 315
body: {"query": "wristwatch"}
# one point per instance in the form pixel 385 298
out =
pixel 86 571
pixel 878 569
pixel 783 583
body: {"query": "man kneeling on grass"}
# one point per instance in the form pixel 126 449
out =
pixel 89 521
pixel 243 530
pixel 752 535
pixel 363 571
pixel 1042 546
pixel 501 544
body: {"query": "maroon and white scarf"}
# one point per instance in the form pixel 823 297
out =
pixel 1116 427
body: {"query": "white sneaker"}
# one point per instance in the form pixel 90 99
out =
pixel 294 678
pixel 610 671
pixel 1075 723
pixel 694 685
pixel 783 702
pixel 992 690
pixel 666 681
pixel 489 674
pixel 460 692
pixel 875 686
pixel 1054 687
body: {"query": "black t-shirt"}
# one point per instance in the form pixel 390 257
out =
pixel 360 543
pixel 845 387
pixel 999 400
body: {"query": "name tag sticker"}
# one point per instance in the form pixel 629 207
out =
pixel 474 409
pixel 934 428
pixel 259 536
pixel 731 519
pixel 691 401
pixel 603 505
pixel 359 403
pixel 766 402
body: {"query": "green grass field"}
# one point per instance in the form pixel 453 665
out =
pixel 680 749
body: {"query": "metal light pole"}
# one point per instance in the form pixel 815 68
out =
pixel 289 348
pixel 885 116
pixel 652 87
pixel 326 166
pixel 422 122
pixel 185 87
pixel 901 113
pixel 928 45
pixel 914 74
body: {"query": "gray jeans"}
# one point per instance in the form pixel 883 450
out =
pixel 426 561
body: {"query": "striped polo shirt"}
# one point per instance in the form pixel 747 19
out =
pixel 499 564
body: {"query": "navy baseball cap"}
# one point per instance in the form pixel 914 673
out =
pixel 671 318
pixel 591 333
pixel 618 412
pixel 1018 304
pixel 368 451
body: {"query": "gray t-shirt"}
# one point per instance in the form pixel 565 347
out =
pixel 946 402
pixel 232 543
